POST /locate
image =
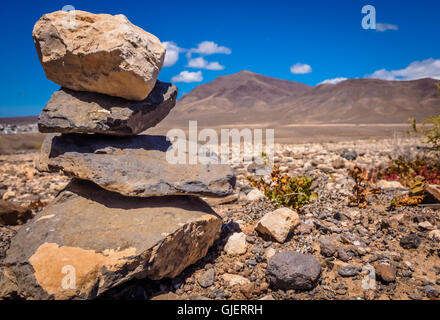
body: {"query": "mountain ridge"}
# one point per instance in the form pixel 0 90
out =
pixel 248 97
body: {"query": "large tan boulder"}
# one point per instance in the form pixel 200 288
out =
pixel 90 240
pixel 98 53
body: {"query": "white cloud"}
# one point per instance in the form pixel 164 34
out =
pixel 210 47
pixel 300 68
pixel 172 54
pixel 382 27
pixel 204 48
pixel 333 81
pixel 200 63
pixel 429 68
pixel 188 77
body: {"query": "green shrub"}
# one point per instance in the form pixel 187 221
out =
pixel 286 191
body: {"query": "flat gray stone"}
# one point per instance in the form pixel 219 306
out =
pixel 132 166
pixel 103 239
pixel 71 111
pixel 348 271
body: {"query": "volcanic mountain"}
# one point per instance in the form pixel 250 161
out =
pixel 250 98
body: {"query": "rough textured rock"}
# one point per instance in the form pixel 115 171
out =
pixel 207 278
pixel 71 111
pixel 425 225
pixel 304 228
pixel 434 235
pixel 327 247
pixel 106 239
pixel 98 53
pixel 132 166
pixel 11 214
pixel 293 270
pixel 385 272
pixel 348 271
pixel 236 244
pixel 234 280
pixel 255 195
pixel 344 254
pixel 411 241
pixel 278 224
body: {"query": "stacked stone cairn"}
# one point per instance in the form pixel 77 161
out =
pixel 127 213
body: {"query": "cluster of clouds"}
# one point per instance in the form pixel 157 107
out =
pixel 429 68
pixel 203 49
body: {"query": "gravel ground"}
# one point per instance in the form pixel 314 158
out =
pixel 346 241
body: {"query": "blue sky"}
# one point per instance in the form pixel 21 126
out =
pixel 319 39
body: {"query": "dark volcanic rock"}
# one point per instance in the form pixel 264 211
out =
pixel 411 241
pixel 133 166
pixel 70 111
pixel 293 270
pixel 103 239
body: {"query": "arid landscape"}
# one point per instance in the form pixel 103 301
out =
pixel 98 202
pixel 400 244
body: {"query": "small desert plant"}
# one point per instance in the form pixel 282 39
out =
pixel 286 191
pixel 415 196
pixel 361 188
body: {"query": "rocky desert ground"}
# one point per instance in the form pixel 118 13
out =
pixel 349 252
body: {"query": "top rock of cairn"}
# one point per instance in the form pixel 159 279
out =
pixel 98 53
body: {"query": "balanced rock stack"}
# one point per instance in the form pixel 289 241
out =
pixel 127 213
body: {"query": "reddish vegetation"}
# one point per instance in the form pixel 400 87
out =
pixel 403 171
